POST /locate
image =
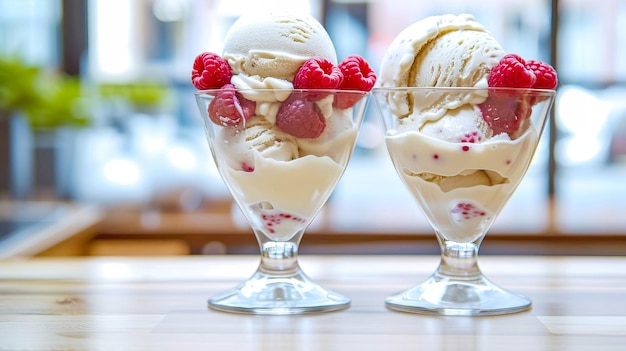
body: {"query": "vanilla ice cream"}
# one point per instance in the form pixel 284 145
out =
pixel 441 175
pixel 260 137
pixel 440 51
pixel 273 46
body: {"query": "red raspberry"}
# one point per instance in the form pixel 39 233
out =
pixel 300 117
pixel 465 211
pixel 210 71
pixel 512 72
pixel 229 108
pixel 318 73
pixel 273 219
pixel 504 113
pixel 546 75
pixel 357 75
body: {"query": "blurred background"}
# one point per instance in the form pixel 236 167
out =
pixel 100 138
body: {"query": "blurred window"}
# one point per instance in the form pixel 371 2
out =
pixel 29 30
pixel 591 116
pixel 154 42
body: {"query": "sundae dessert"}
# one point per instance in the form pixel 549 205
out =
pixel 282 116
pixel 462 152
pixel 462 120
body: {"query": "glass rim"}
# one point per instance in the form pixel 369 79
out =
pixel 461 89
pixel 285 90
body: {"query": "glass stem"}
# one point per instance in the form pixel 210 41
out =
pixel 459 260
pixel 279 257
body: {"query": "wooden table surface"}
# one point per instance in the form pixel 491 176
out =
pixel 159 303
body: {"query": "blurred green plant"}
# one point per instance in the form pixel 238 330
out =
pixel 47 100
pixel 142 95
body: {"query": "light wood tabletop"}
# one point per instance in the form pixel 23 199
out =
pixel 160 303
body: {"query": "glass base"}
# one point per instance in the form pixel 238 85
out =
pixel 279 295
pixel 442 295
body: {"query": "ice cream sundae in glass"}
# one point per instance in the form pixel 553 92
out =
pixel 282 115
pixel 462 121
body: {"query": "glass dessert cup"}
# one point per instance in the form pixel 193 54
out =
pixel 461 174
pixel 280 182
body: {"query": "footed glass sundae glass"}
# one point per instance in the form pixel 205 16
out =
pixel 281 153
pixel 461 152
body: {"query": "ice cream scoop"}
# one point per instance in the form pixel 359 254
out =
pixel 276 44
pixel 441 51
pixel 270 141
